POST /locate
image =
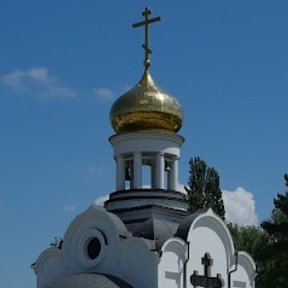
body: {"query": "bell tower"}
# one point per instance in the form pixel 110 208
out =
pixel 146 121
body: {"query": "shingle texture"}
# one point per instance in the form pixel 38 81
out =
pixel 154 229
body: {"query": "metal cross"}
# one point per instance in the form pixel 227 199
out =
pixel 146 23
pixel 206 280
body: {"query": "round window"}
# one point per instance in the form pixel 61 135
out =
pixel 91 247
pixel 94 248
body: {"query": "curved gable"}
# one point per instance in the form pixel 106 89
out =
pixel 206 218
pixel 92 241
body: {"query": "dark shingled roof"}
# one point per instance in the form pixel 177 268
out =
pixel 154 229
pixel 90 281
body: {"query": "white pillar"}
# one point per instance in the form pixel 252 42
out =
pixel 137 170
pixel 173 175
pixel 160 167
pixel 120 172
pixel 153 176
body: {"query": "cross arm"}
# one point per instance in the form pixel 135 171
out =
pixel 145 22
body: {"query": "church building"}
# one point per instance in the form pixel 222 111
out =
pixel 144 236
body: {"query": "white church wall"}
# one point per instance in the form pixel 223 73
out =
pixel 211 253
pixel 93 222
pixel 172 264
pixel 209 234
pixel 72 258
pixel 138 263
pixel 244 276
pixel 206 241
pixel 45 270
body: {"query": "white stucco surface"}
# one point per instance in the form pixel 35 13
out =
pixel 138 261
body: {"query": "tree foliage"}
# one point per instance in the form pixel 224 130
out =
pixel 276 265
pixel 250 239
pixel 268 244
pixel 204 188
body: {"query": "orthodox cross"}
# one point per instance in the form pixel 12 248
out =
pixel 146 23
pixel 206 280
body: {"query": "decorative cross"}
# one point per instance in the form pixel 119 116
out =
pixel 206 280
pixel 207 263
pixel 146 23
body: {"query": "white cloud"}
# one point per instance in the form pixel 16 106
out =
pixel 39 83
pixel 69 208
pixel 240 207
pixel 104 93
pixel 56 92
pixel 100 201
pixel 21 78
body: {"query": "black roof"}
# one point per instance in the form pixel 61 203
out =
pixel 153 229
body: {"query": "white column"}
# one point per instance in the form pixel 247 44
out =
pixel 160 167
pixel 153 176
pixel 173 175
pixel 169 176
pixel 120 173
pixel 137 170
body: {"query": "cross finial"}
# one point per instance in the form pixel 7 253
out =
pixel 146 23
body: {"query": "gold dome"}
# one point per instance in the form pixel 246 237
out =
pixel 146 107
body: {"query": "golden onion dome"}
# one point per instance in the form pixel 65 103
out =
pixel 146 107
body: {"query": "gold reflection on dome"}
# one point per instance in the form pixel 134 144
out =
pixel 146 107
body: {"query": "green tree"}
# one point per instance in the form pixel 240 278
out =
pixel 204 188
pixel 253 240
pixel 268 244
pixel 276 265
pixel 250 239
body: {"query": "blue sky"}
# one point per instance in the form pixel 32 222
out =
pixel 63 63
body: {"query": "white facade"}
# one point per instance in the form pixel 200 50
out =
pixel 119 254
pixel 138 261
